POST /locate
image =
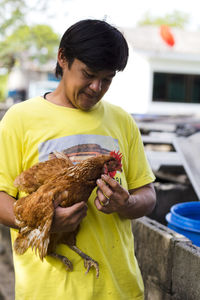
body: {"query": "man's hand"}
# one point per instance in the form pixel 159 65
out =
pixel 111 196
pixel 67 219
pixel 135 203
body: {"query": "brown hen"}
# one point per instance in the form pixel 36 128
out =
pixel 68 184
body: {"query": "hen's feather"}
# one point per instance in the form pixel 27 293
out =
pixel 30 180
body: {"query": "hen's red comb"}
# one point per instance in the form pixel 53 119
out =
pixel 117 155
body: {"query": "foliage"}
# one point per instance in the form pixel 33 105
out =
pixel 21 42
pixel 3 86
pixel 175 19
pixel 12 14
pixel 37 43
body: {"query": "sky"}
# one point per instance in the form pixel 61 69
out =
pixel 122 13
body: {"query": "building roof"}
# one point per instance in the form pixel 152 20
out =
pixel 149 40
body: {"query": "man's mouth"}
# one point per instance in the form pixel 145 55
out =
pixel 91 96
pixel 89 99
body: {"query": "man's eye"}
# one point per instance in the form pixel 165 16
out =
pixel 107 80
pixel 87 75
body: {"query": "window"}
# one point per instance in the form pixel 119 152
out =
pixel 169 87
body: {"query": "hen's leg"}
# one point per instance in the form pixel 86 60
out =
pixel 88 261
pixel 64 260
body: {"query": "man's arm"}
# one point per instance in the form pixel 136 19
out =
pixel 65 219
pixel 7 216
pixel 140 202
pixel 129 204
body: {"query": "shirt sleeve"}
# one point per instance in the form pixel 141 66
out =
pixel 139 170
pixel 10 151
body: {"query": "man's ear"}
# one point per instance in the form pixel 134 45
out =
pixel 61 58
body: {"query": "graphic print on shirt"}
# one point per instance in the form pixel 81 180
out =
pixel 79 147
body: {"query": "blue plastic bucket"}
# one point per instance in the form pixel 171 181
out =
pixel 184 218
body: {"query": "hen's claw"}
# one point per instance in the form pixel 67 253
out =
pixel 89 263
pixel 67 263
pixel 64 260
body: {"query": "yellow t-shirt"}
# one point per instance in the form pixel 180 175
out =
pixel 29 132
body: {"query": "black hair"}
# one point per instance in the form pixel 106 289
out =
pixel 96 43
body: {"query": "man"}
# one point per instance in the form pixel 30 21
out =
pixel 73 119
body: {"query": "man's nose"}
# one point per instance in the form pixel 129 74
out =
pixel 96 85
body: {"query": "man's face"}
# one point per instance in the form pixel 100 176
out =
pixel 83 88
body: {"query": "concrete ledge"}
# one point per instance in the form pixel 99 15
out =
pixel 186 272
pixel 169 262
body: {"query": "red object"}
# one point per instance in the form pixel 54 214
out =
pixel 166 35
pixel 118 157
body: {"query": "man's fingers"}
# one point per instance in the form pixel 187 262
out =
pixel 110 181
pixel 77 207
pixel 101 197
pixel 105 189
pixel 100 207
pixel 76 210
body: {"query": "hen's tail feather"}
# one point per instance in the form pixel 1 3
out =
pixel 20 245
pixel 37 238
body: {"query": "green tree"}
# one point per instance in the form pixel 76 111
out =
pixel 175 19
pixel 37 43
pixel 19 41
pixel 12 14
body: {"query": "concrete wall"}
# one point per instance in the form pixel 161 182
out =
pixel 169 262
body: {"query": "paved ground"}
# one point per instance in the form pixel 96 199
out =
pixel 6 266
pixel 6 277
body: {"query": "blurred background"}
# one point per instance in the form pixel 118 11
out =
pixel 163 72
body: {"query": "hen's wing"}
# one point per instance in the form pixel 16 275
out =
pixel 34 215
pixel 30 180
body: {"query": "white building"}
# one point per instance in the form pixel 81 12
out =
pixel 30 80
pixel 159 78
